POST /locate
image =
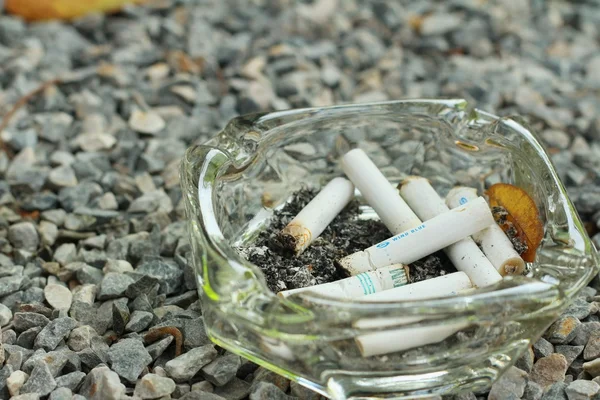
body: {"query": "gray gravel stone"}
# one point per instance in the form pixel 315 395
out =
pixel 27 320
pixel 87 274
pixel 120 314
pixel 533 391
pixel 27 396
pixel 592 348
pixel 222 370
pixel 167 272
pixel 268 391
pixel 11 284
pixel 549 370
pixel 581 390
pixel 563 330
pixel 40 381
pixel 5 315
pixel 26 338
pixel 157 348
pixel 61 393
pixel 65 254
pixel 58 296
pixel 140 284
pixel 23 235
pixel 579 309
pixel 70 380
pixel 152 386
pixel 235 389
pixel 542 348
pixel 592 367
pixel 570 352
pixel 139 321
pixel 54 332
pixel 102 384
pixel 55 360
pixel 117 266
pixel 128 358
pixel 187 365
pixel 113 285
pixel 81 337
pixel 200 395
pixel 555 391
pixel 583 332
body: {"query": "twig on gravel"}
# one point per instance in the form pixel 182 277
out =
pixel 159 333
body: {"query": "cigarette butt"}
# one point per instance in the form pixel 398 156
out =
pixel 428 237
pixel 317 215
pixel 378 343
pixel 442 286
pixel 464 254
pixel 494 242
pixel 364 284
pixel 378 192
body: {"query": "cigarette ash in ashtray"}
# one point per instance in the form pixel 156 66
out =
pixel 317 244
pixel 346 234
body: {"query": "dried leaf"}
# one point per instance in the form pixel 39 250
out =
pixel 523 213
pixel 35 10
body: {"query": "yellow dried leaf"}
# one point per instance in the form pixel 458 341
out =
pixel 522 213
pixel 36 10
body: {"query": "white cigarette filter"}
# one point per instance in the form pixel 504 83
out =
pixel 422 240
pixel 493 241
pixel 464 254
pixel 378 192
pixel 364 284
pixel 377 343
pixel 317 215
pixel 441 286
pixel 453 284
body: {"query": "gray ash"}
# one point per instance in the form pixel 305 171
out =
pixel 316 265
pixel 500 216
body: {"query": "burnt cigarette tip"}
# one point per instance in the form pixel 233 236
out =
pixel 287 241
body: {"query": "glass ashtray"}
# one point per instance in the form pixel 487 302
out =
pixel 233 184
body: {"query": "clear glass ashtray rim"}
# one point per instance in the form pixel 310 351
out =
pixel 219 150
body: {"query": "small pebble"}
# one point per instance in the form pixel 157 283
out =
pixel 40 381
pixel 54 332
pixel 582 390
pixel 113 285
pixel 128 358
pixel 542 348
pixel 23 235
pixel 15 382
pixel 58 296
pixel 5 315
pixel 117 266
pixel 70 380
pixel 267 391
pixel 65 254
pixel 102 384
pixel 592 367
pixel 139 321
pixel 533 391
pixel 549 370
pixel 152 386
pixel 235 389
pixel 26 320
pixel 187 365
pixel 61 393
pixel 146 122
pixel 563 330
pixel 222 370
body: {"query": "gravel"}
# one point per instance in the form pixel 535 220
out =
pixel 92 234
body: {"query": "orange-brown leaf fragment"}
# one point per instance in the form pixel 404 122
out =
pixel 523 213
pixel 35 10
